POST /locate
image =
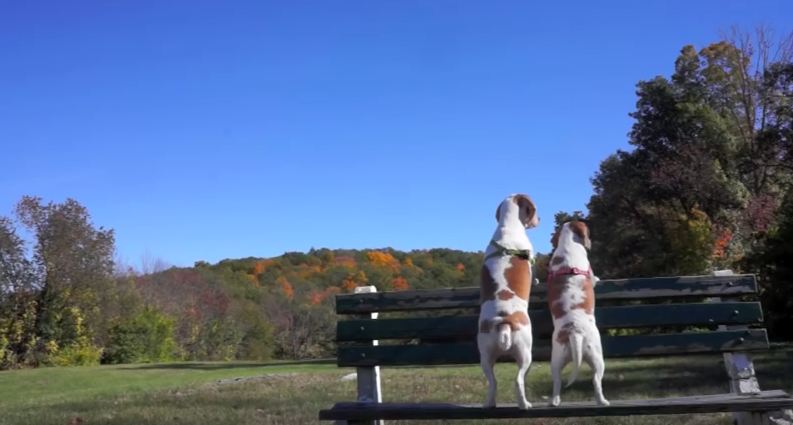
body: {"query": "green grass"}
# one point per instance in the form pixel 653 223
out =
pixel 289 393
pixel 55 395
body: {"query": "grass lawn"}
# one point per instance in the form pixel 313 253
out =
pixel 290 393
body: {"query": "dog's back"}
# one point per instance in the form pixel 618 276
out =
pixel 504 326
pixel 503 299
pixel 571 300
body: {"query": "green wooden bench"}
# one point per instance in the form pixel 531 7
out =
pixel 677 315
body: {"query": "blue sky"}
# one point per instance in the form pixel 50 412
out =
pixel 210 130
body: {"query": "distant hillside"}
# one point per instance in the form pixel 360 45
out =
pixel 252 308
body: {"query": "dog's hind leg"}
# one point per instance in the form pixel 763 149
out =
pixel 557 364
pixel 523 359
pixel 487 367
pixel 598 368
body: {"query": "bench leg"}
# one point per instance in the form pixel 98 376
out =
pixel 369 390
pixel 780 417
pixel 368 377
pixel 740 369
pixel 742 381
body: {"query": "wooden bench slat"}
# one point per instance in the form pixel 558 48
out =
pixel 613 346
pixel 619 289
pixel 608 317
pixel 766 400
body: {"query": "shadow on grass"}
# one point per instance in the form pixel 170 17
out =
pixel 226 365
pixel 691 374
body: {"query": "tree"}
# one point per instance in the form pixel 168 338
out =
pixel 703 184
pixel 775 270
pixel 17 299
pixel 76 266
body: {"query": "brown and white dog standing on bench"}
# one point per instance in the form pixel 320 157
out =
pixel 504 327
pixel 571 299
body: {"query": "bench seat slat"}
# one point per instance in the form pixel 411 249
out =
pixel 613 346
pixel 766 400
pixel 618 289
pixel 609 317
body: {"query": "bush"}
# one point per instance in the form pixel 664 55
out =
pixel 147 337
pixel 218 339
pixel 257 344
pixel 17 330
pixel 77 355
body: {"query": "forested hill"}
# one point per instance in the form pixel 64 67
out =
pixel 283 306
pixel 304 275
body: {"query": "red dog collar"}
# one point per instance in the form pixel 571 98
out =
pixel 569 271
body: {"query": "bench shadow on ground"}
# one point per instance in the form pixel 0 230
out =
pixel 695 374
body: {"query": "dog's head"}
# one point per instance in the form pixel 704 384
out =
pixel 576 231
pixel 527 212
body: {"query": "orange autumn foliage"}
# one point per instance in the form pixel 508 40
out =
pixel 721 243
pixel 354 280
pixel 383 259
pixel 305 271
pixel 261 266
pixel 317 297
pixel 286 287
pixel 348 284
pixel 460 267
pixel 400 284
pixel 345 261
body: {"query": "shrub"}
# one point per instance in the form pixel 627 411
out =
pixel 147 337
pixel 84 354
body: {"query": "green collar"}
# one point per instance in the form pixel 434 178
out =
pixel 500 250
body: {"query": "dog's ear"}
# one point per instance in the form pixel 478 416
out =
pixel 498 213
pixel 581 230
pixel 528 212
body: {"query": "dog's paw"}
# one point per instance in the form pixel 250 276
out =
pixel 555 401
pixel 603 402
pixel 524 405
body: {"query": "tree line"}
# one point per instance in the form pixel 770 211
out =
pixel 65 304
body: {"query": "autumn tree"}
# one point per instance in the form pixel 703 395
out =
pixel 703 183
pixel 17 299
pixel 775 268
pixel 75 261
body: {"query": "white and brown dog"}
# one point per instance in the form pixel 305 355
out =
pixel 504 326
pixel 571 299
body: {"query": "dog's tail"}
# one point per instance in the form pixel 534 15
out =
pixel 576 351
pixel 504 336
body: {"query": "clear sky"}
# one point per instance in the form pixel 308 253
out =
pixel 210 130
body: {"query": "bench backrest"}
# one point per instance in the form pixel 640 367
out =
pixel 668 315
